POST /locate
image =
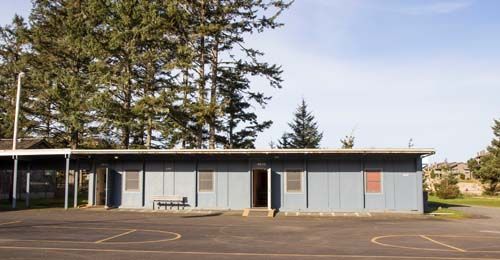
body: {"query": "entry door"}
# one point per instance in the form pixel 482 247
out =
pixel 110 181
pixel 260 192
pixel 100 190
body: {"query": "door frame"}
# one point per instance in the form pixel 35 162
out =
pixel 268 172
pixel 102 172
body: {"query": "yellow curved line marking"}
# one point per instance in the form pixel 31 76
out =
pixel 103 250
pixel 176 236
pixel 375 240
pixel 8 223
pixel 442 244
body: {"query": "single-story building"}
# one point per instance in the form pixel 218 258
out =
pixel 314 180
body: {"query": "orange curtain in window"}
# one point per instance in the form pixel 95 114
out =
pixel 373 182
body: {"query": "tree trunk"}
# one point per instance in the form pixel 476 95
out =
pixel 149 132
pixel 202 81
pixel 213 94
pixel 185 102
pixel 74 139
pixel 128 104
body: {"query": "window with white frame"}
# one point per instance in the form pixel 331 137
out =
pixel 293 180
pixel 132 180
pixel 205 180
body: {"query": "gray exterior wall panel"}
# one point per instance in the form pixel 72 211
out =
pixel 238 185
pixel 328 184
pixel 319 186
pixel 185 181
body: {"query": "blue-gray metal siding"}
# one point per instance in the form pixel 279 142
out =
pixel 327 184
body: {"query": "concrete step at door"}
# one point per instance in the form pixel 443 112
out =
pixel 258 213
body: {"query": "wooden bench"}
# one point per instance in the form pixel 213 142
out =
pixel 168 200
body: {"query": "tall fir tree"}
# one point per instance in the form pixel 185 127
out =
pixel 219 28
pixel 305 133
pixel 235 109
pixel 60 40
pixel 134 70
pixel 13 60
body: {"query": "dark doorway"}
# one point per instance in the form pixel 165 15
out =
pixel 100 189
pixel 259 177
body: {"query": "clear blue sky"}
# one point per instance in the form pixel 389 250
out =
pixel 391 70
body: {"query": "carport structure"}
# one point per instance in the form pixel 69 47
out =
pixel 57 159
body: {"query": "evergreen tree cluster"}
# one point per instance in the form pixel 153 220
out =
pixel 487 167
pixel 135 73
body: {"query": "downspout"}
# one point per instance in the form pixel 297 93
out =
pixel 143 181
pixel 196 184
pixel 94 182
pixel 306 171
pixel 106 195
pixel 364 181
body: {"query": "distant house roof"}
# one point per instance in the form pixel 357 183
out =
pixel 25 143
pixel 446 165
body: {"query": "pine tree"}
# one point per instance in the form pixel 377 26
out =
pixel 215 32
pixel 60 68
pixel 134 71
pixel 305 133
pixel 13 59
pixel 235 112
pixel 488 167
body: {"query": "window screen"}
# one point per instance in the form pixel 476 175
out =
pixel 373 181
pixel 131 180
pixel 294 181
pixel 206 180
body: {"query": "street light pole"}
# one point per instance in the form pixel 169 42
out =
pixel 16 116
pixel 14 140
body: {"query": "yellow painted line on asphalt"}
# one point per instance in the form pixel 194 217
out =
pixel 8 223
pixel 242 254
pixel 375 241
pixel 116 236
pixel 96 228
pixel 442 244
pixel 176 236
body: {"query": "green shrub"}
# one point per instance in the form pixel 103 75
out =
pixel 448 188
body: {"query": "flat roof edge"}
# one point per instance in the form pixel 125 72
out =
pixel 34 152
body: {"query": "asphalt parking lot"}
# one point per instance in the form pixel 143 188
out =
pixel 88 234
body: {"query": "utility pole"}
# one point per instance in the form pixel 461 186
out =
pixel 14 139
